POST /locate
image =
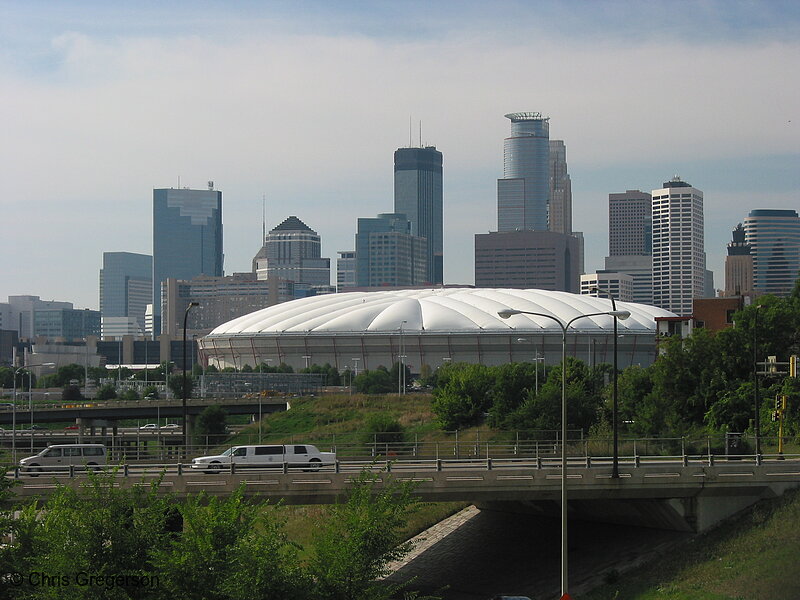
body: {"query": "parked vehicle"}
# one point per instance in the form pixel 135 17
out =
pixel 294 455
pixel 64 455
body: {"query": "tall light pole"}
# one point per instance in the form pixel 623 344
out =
pixel 757 420
pixel 355 365
pixel 536 360
pixel 505 314
pixel 401 375
pixel 184 390
pixel 614 405
pixel 30 391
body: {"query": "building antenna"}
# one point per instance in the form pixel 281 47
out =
pixel 179 182
pixel 263 218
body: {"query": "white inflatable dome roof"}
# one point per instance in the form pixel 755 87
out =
pixel 438 310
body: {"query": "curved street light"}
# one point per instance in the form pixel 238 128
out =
pixel 184 391
pixel 617 314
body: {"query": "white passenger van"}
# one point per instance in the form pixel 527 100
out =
pixel 59 457
pixel 275 455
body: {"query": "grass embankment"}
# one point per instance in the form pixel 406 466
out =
pixel 752 557
pixel 345 419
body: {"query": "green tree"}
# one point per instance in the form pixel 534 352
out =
pixel 353 548
pixel 176 385
pixel 462 395
pixel 212 421
pixel 383 429
pixel 230 549
pixel 129 395
pixel 71 393
pixel 150 391
pixel 106 392
pixel 377 381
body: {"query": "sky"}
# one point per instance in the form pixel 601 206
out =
pixel 299 106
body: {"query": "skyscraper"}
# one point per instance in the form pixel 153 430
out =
pixel 126 288
pixel 630 224
pixel 738 265
pixel 560 203
pixel 774 236
pixel 679 266
pixel 187 237
pixel 524 191
pixel 418 195
pixel 293 251
pixel 387 254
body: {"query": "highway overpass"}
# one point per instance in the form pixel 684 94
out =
pixel 680 493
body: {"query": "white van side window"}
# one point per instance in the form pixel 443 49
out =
pixel 72 451
pixel 240 452
pixel 269 450
pixel 53 453
pixel 89 451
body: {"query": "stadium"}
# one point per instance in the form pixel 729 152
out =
pixel 363 330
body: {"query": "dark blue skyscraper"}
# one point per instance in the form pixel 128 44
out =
pixel 126 288
pixel 418 195
pixel 187 238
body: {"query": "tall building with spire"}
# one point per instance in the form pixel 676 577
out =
pixel 418 195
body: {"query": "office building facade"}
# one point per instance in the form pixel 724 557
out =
pixel 524 191
pixel 630 224
pixel 738 265
pixel 387 254
pixel 527 259
pixel 65 323
pixel 560 202
pixel 679 269
pixel 292 251
pixel 418 195
pixel 126 288
pixel 345 270
pixel 219 299
pixel 187 238
pixel 604 285
pixel 774 237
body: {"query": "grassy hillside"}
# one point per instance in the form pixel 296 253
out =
pixel 753 557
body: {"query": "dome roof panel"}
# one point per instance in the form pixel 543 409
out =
pixel 438 310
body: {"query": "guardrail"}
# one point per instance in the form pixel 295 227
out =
pixel 396 464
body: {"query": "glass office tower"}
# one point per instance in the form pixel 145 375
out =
pixel 126 288
pixel 187 238
pixel 774 237
pixel 418 195
pixel 524 191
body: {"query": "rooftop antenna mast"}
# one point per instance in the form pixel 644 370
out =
pixel 263 218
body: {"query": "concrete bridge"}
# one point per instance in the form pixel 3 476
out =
pixel 679 493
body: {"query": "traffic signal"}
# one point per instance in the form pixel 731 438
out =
pixel 793 366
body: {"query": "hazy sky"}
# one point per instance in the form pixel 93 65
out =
pixel 305 103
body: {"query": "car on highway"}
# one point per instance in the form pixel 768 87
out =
pixel 149 427
pixel 70 427
pixel 171 426
pixel 64 455
pixel 273 455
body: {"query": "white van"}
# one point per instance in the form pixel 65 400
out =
pixel 63 455
pixel 275 455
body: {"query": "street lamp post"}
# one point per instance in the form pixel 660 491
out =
pixel 757 420
pixel 615 404
pixel 184 390
pixel 30 393
pixel 401 375
pixel 505 314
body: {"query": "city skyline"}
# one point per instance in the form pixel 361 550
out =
pixel 102 105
